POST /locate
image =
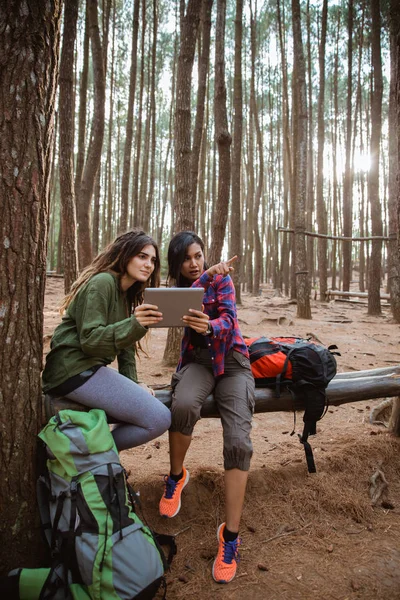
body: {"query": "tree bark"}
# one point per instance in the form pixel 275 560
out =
pixel 223 138
pixel 134 217
pixel 149 200
pixel 83 89
pixel 287 153
pixel 204 61
pixel 394 173
pixel 235 247
pixel 123 224
pixel 374 304
pixel 310 159
pixel 259 166
pixel 321 205
pixel 66 131
pixel 348 179
pixel 29 46
pixel 184 203
pixel 302 278
pixel 96 139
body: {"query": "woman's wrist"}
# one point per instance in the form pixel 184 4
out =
pixel 209 330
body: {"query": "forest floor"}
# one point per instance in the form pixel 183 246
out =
pixel 304 537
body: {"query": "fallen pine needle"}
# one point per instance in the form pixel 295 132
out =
pixel 182 530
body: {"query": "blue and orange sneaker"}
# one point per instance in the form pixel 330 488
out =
pixel 170 503
pixel 224 567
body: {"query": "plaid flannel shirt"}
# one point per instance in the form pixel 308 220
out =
pixel 220 305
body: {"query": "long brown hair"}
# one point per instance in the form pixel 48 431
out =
pixel 115 257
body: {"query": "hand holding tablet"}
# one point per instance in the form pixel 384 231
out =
pixel 148 315
pixel 172 304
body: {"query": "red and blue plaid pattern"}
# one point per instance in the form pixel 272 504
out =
pixel 220 305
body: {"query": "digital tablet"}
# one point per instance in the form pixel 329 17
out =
pixel 174 303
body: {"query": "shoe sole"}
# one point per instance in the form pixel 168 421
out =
pixel 220 580
pixel 179 505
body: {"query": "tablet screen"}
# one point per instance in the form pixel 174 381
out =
pixel 174 303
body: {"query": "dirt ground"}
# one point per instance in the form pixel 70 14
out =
pixel 304 537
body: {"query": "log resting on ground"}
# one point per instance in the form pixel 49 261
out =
pixel 343 389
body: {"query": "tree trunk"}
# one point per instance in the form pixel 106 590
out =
pixel 300 99
pixel 123 224
pixel 348 179
pixel 204 61
pixel 223 138
pixel 321 205
pixel 29 47
pixel 260 165
pixel 310 159
pixel 149 200
pixel 374 303
pixel 109 191
pixel 134 217
pixel 66 166
pixel 394 173
pixel 287 155
pixel 96 139
pixel 235 246
pixel 184 203
pixel 83 90
pixel 335 199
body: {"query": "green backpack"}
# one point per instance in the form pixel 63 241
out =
pixel 100 548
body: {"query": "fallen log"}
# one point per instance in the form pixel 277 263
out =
pixel 341 390
pixel 341 294
pixel 395 370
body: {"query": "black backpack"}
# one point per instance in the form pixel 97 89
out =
pixel 302 366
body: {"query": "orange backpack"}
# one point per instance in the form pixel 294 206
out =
pixel 304 367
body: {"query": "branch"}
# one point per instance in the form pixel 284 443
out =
pixel 337 237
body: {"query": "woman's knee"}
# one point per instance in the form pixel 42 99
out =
pixel 162 420
pixel 184 416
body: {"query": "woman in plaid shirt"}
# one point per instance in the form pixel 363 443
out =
pixel 214 359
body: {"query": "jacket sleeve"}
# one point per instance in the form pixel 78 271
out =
pixel 225 301
pixel 127 364
pixel 97 336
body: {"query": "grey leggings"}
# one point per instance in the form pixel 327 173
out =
pixel 144 417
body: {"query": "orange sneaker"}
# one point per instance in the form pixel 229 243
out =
pixel 224 567
pixel 170 503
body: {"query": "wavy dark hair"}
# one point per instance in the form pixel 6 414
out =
pixel 115 257
pixel 176 256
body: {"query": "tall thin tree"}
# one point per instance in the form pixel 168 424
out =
pixel 223 138
pixel 96 138
pixel 374 301
pixel 348 177
pixel 300 198
pixel 184 203
pixel 123 224
pixel 394 173
pixel 321 204
pixel 66 158
pixel 235 245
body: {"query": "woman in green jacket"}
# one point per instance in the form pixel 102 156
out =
pixel 104 318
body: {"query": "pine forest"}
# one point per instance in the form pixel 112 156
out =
pixel 269 127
